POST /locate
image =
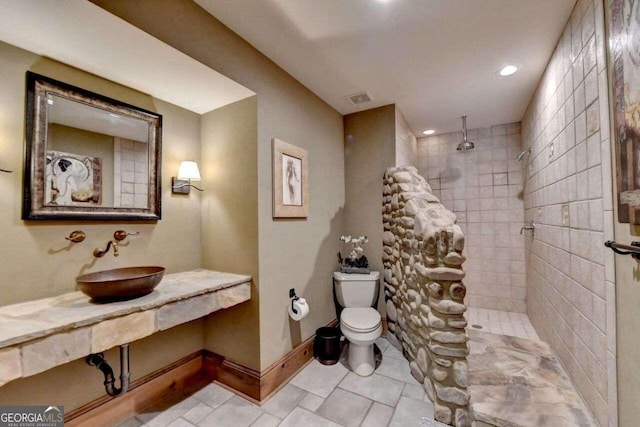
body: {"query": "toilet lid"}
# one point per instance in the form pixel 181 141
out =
pixel 361 319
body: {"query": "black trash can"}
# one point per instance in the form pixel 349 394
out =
pixel 326 346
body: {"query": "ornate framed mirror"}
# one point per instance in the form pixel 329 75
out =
pixel 89 157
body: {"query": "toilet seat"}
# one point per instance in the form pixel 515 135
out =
pixel 360 319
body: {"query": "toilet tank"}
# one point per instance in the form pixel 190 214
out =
pixel 356 290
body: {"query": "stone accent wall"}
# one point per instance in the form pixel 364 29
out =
pixel 424 293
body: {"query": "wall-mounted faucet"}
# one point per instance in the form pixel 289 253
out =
pixel 118 236
pixel 529 227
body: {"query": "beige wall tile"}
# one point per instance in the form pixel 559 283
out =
pixel 566 266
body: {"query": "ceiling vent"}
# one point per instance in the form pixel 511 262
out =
pixel 360 98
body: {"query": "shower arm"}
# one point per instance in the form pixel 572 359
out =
pixel 464 128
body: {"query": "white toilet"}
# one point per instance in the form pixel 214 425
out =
pixel 359 322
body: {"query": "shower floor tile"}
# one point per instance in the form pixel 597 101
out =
pixel 501 322
pixel 520 382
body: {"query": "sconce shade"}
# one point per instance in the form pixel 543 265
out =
pixel 189 171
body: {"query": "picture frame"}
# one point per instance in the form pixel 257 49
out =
pixel 290 180
pixel 622 35
pixel 82 173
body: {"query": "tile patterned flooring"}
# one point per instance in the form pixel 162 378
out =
pixel 501 322
pixel 330 396
pixel 322 396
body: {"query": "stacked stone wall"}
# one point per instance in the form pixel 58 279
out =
pixel 424 293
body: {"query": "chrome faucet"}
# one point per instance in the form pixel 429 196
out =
pixel 118 236
pixel 529 227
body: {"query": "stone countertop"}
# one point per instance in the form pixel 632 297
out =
pixel 20 323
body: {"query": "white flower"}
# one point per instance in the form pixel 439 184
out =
pixel 357 243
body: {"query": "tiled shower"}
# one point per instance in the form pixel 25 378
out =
pixel 570 277
pixel 483 187
pixel 561 277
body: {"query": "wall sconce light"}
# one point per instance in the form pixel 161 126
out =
pixel 187 172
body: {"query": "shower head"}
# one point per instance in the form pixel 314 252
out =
pixel 465 145
pixel 521 155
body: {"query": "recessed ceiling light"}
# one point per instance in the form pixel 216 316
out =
pixel 508 70
pixel 429 132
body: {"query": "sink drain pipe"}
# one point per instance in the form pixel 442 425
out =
pixel 99 362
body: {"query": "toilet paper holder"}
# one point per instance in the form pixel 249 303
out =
pixel 294 298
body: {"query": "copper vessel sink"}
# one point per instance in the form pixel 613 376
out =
pixel 120 283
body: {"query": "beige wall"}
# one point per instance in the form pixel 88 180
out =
pixel 38 262
pixel 42 244
pixel 292 253
pixel 229 170
pixel 370 148
pixel 483 187
pixel 570 290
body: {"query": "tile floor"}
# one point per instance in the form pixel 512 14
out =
pixel 329 395
pixel 501 322
pixel 318 395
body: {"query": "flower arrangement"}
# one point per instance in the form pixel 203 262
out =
pixel 355 262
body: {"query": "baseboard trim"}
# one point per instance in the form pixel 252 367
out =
pixel 189 374
pixel 279 372
pixel 235 376
pixel 258 386
pixel 181 375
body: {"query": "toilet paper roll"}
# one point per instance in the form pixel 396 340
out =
pixel 301 309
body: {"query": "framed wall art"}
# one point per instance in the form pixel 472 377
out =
pixel 290 181
pixel 72 180
pixel 623 41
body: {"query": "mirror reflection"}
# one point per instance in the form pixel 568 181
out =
pixel 95 157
